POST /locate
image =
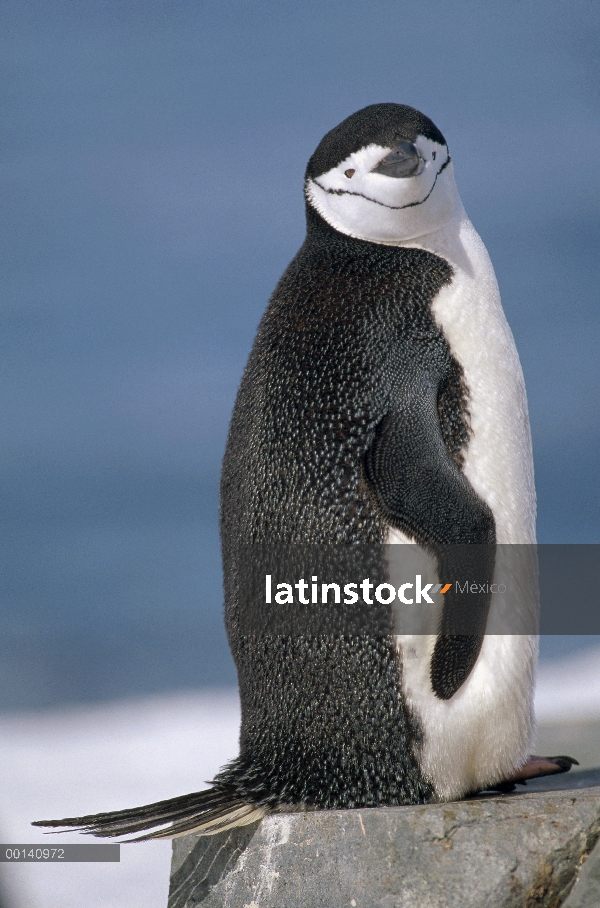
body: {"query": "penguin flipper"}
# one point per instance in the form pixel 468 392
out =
pixel 419 489
pixel 203 812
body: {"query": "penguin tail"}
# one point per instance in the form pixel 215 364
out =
pixel 202 812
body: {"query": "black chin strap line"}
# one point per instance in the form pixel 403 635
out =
pixel 383 205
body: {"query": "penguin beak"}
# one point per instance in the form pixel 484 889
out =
pixel 404 161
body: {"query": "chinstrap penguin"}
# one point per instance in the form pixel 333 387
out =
pixel 383 402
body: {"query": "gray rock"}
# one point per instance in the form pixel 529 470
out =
pixel 586 891
pixel 500 851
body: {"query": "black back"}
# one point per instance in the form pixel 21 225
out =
pixel 348 325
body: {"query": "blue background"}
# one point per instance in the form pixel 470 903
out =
pixel 152 164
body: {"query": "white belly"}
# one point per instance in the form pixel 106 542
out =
pixel 484 732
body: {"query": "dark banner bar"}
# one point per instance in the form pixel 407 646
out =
pixel 569 590
pixel 403 589
pixel 57 854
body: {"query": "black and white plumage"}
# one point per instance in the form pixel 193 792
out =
pixel 383 402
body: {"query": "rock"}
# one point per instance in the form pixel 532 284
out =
pixel 523 850
pixel 586 891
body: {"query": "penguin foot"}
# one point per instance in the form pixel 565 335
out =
pixel 533 769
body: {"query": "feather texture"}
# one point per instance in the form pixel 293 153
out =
pixel 204 812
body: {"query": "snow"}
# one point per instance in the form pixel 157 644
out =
pixel 85 759
pixel 568 689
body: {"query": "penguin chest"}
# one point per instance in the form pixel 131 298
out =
pixel 482 733
pixel 498 460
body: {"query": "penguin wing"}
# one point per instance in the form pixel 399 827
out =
pixel 419 489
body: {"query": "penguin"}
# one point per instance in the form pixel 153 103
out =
pixel 383 404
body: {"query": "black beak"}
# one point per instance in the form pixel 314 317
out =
pixel 403 161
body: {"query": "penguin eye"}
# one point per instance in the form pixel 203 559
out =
pixel 403 161
pixel 433 154
pixel 349 173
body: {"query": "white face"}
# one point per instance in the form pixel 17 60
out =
pixel 357 201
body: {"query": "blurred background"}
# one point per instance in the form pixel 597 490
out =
pixel 152 164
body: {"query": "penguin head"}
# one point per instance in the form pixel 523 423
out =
pixel 384 175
